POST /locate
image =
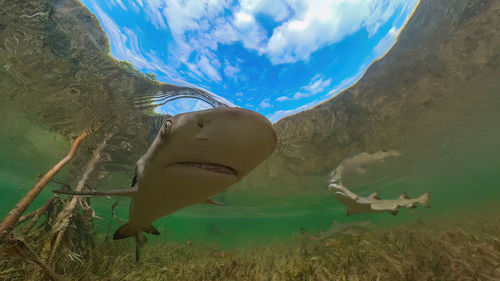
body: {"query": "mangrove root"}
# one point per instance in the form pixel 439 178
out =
pixel 17 246
pixel 13 216
pixel 63 218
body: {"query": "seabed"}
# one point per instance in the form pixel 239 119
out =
pixel 417 251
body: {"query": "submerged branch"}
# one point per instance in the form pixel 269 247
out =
pixel 19 247
pixel 36 213
pixel 63 218
pixel 13 216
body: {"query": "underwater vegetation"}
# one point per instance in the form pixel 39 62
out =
pixel 434 251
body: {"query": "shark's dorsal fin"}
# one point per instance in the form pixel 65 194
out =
pixel 403 196
pixel 213 202
pixel 374 196
pixel 129 192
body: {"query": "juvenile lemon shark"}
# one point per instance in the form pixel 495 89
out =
pixel 372 204
pixel 194 156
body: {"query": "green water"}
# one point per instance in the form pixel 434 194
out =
pixel 459 165
pixel 453 152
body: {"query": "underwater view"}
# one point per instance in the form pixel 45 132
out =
pixel 250 140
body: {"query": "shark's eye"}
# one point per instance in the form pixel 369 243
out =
pixel 167 127
pixel 200 124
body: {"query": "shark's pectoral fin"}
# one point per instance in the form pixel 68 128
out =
pixel 412 205
pixel 127 230
pixel 213 202
pixel 129 192
pixel 151 230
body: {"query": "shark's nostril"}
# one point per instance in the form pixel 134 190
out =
pixel 202 135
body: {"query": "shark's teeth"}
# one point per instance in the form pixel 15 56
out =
pixel 210 167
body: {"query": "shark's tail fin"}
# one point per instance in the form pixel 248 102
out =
pixel 424 199
pixel 128 230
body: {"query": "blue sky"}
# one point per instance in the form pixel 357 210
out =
pixel 274 57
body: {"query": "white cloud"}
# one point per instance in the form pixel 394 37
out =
pixel 124 43
pixel 282 99
pixel 319 23
pixel 230 71
pixel 303 26
pixel 209 69
pixel 386 43
pixel 251 34
pixel 299 95
pixel 126 46
pixel 265 103
pixel 317 85
pixel 349 81
pixel 277 10
pixel 194 68
pixel 324 23
pixel 118 3
pixel 153 10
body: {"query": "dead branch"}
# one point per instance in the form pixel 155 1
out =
pixel 36 212
pixel 63 218
pixel 19 247
pixel 13 216
pixel 113 216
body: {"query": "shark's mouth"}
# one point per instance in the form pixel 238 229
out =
pixel 216 168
